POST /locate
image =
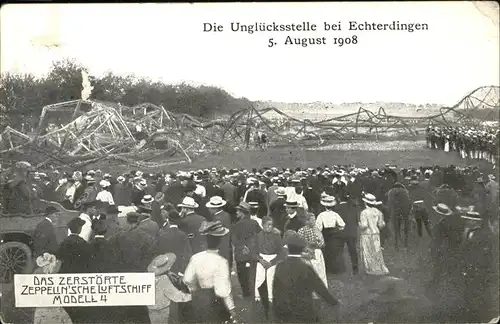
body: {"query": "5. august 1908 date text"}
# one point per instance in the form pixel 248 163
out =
pixel 314 41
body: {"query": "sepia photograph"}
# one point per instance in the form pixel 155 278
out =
pixel 265 162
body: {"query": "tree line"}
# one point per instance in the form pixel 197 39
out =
pixel 22 96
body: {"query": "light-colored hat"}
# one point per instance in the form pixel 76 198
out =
pixel 104 183
pixel 77 176
pixel 162 264
pixel 147 199
pixel 370 199
pixel 491 176
pixel 188 202
pixel 47 264
pixel 120 179
pixel 442 209
pixel 292 204
pixel 106 175
pixel 139 174
pixel 472 216
pixel 216 202
pixel 280 191
pixel 328 201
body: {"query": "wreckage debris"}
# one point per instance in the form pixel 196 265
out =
pixel 80 132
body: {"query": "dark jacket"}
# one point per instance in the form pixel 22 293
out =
pixel 293 287
pixel 349 214
pixel 277 211
pixel 134 250
pixel 190 224
pixel 172 240
pixel 244 233
pixel 103 256
pixel 225 248
pixel 74 254
pixel 44 238
pixel 149 226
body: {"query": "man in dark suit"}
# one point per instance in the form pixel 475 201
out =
pixel 349 213
pixel 277 210
pixel 74 251
pixel 103 254
pixel 44 237
pixel 244 239
pixel 172 240
pixel 296 216
pixel 190 224
pixel 215 206
pixel 294 284
pixel 134 247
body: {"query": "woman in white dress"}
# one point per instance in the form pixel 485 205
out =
pixel 370 222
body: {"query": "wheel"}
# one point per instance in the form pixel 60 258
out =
pixel 15 258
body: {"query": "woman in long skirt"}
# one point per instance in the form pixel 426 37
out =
pixel 331 226
pixel 315 242
pixel 370 222
pixel 208 278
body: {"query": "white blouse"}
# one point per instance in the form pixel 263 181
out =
pixel 207 270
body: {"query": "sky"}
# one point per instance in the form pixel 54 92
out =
pixel 458 53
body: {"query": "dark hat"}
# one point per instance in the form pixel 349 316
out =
pixel 294 239
pixel 50 210
pixel 99 227
pixel 144 209
pixel 213 228
pixel 133 217
pixel 75 224
pixel 173 215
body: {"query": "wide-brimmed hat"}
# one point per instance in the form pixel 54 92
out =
pixel 370 199
pixel 162 263
pixel 214 228
pixel 328 201
pixel 216 202
pixel 47 263
pixel 291 204
pixel 472 216
pixel 491 176
pixel 188 202
pixel 253 204
pixel 244 207
pixel 280 191
pixel 442 209
pixel 104 183
pixel 147 199
pixel 120 179
pixel 480 179
pixel 89 178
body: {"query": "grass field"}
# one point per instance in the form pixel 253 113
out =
pixel 412 265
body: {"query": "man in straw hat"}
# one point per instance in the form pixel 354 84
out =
pixel 215 206
pixel 294 284
pixel 212 300
pixel 296 216
pixel 190 223
pixel 277 209
pixel 244 239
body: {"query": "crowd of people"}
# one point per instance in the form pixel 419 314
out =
pixel 468 142
pixel 283 231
